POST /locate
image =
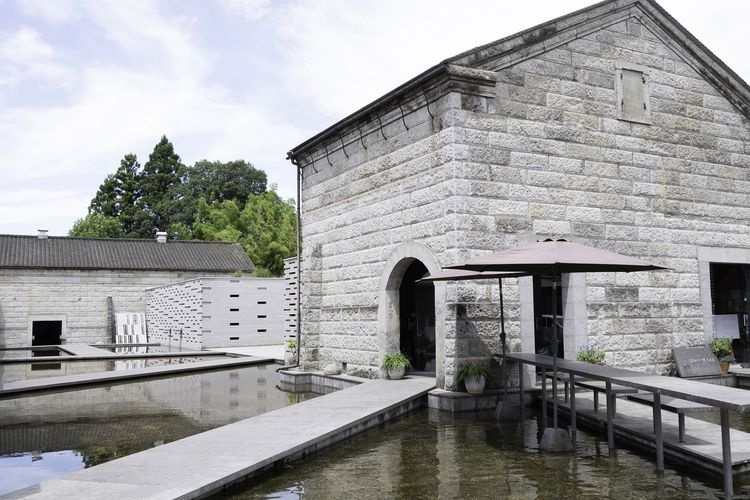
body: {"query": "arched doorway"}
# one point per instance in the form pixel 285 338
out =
pixel 389 302
pixel 417 318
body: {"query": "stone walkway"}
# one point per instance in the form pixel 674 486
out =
pixel 205 463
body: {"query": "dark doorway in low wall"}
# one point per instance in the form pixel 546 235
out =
pixel 417 318
pixel 46 332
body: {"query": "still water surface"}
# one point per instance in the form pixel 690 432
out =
pixel 45 436
pixel 430 454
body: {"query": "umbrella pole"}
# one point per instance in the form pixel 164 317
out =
pixel 504 371
pixel 554 347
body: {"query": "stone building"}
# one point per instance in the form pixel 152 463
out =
pixel 612 126
pixel 58 289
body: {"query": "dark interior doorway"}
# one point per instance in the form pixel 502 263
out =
pixel 730 294
pixel 417 309
pixel 46 332
pixel 543 310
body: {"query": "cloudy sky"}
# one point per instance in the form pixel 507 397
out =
pixel 82 83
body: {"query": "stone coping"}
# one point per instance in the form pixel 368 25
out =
pixel 25 387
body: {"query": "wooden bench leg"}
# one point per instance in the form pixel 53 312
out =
pixel 596 401
pixel 544 399
pixel 571 385
pixel 610 420
pixel 726 454
pixel 681 426
pixel 658 433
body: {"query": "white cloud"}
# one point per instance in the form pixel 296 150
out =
pixel 24 54
pixel 54 11
pixel 252 10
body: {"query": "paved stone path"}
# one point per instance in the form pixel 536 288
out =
pixel 206 462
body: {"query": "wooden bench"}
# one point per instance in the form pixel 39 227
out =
pixel 675 405
pixel 601 386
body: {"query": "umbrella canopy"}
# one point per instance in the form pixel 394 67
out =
pixel 461 275
pixel 554 257
pixel 564 256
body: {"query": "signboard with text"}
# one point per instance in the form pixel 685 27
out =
pixel 696 362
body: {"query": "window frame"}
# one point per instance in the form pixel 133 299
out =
pixel 621 114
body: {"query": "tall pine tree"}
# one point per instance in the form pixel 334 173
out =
pixel 160 183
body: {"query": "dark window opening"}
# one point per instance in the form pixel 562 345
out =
pixel 261 302
pixel 261 330
pixel 261 315
pixel 46 332
pixel 234 338
pixel 234 324
pixel 234 309
pixel 233 295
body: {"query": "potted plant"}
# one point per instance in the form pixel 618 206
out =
pixel 395 365
pixel 290 353
pixel 474 375
pixel 591 355
pixel 722 349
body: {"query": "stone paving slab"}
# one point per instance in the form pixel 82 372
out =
pixel 206 462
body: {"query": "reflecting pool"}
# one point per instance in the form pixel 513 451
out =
pixel 45 436
pixel 430 454
pixel 32 352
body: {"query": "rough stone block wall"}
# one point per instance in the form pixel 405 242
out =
pixel 557 162
pixel 546 157
pixel 80 297
pixel 355 213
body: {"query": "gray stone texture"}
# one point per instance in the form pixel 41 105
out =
pixel 532 148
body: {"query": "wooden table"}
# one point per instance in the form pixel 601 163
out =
pixel 718 396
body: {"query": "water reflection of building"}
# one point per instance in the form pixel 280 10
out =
pixel 612 126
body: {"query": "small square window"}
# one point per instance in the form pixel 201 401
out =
pixel 633 94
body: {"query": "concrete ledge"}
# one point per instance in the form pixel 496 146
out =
pixel 24 387
pixel 299 381
pixel 454 402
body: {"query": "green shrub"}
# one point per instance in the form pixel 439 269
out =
pixel 291 344
pixel 591 355
pixel 395 361
pixel 473 369
pixel 722 349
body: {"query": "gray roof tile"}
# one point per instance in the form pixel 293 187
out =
pixel 104 253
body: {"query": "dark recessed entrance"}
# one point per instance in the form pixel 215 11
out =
pixel 46 332
pixel 543 310
pixel 730 295
pixel 417 306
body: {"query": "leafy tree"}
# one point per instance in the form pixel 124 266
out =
pixel 265 227
pixel 96 225
pixel 216 181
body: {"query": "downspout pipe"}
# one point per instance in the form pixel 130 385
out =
pixel 299 265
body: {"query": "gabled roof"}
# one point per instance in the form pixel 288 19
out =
pixel 32 252
pixel 541 38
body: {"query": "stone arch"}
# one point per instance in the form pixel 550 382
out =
pixel 388 302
